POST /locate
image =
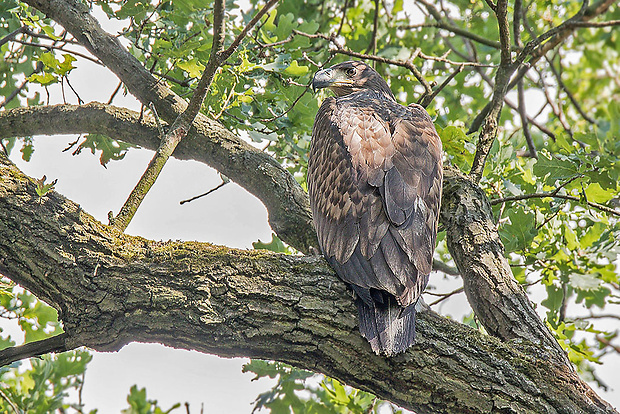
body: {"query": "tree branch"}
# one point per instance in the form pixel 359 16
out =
pixel 491 118
pixel 344 51
pixel 183 122
pixel 554 194
pixel 372 46
pixel 558 36
pixel 33 349
pixel 474 244
pixel 464 212
pixel 285 200
pixel 179 128
pixel 426 99
pixel 535 50
pixel 562 85
pixel 524 122
pixel 252 303
pixel 609 23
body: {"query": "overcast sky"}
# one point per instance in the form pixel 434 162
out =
pixel 230 217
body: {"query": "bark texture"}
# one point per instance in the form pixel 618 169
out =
pixel 111 289
pixel 495 296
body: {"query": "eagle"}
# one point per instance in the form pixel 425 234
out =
pixel 374 180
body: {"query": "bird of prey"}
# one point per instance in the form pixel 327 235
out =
pixel 374 179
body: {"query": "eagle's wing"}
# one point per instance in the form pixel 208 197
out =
pixel 374 179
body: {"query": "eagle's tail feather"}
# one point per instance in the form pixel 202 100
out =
pixel 388 327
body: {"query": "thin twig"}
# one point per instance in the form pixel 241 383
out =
pixel 183 122
pixel 427 99
pixel 21 87
pixel 557 111
pixel 222 184
pixel 555 195
pixel 229 51
pixel 340 49
pixel 61 48
pixel 600 316
pixel 606 342
pixel 289 108
pixel 118 88
pixel 524 123
pixel 597 24
pixel 441 23
pixel 568 93
pixel 80 101
pixel 160 128
pixel 9 402
pixel 372 46
pixel 12 35
pixel 444 296
pixel 344 16
pixel 289 39
pixel 455 63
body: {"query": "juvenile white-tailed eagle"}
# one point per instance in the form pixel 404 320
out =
pixel 374 178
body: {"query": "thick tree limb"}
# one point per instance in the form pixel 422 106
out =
pixel 111 289
pixel 465 212
pixel 286 202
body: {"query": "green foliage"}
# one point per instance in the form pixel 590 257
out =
pixel 303 392
pixel 457 146
pixel 275 245
pixel 40 385
pixel 41 188
pixel 48 384
pixel 44 387
pixel 139 404
pixel 111 149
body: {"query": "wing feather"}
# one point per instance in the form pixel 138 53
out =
pixel 374 178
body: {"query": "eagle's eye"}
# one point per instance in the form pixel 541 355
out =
pixel 350 72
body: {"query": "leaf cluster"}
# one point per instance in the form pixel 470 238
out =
pixel 303 392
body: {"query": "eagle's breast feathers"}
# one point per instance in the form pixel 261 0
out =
pixel 374 178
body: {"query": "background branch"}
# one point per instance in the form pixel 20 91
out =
pixel 286 201
pixel 183 122
pixel 179 128
pixel 491 118
pixel 33 349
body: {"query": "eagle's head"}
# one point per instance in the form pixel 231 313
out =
pixel 349 77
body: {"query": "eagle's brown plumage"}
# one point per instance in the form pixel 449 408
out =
pixel 374 178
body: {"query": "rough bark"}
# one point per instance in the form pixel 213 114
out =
pixel 286 202
pixel 495 296
pixel 111 289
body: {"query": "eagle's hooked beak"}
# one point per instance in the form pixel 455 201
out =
pixel 322 79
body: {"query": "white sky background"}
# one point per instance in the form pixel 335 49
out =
pixel 229 216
